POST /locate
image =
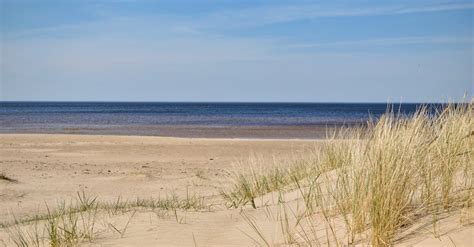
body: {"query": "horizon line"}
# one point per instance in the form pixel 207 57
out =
pixel 232 102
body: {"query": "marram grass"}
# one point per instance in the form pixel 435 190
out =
pixel 72 224
pixel 382 178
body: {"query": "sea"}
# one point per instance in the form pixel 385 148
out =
pixel 186 119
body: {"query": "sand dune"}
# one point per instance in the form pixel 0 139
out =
pixel 50 168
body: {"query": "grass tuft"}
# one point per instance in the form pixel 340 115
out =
pixel 70 224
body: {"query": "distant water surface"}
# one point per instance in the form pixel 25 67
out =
pixel 270 120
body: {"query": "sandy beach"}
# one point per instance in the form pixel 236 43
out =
pixel 51 167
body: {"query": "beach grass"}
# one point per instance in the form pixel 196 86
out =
pixel 259 178
pixel 383 178
pixel 70 224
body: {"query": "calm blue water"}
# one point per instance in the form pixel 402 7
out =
pixel 57 116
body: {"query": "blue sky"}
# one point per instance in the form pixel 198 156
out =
pixel 304 51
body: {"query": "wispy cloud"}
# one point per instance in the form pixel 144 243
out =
pixel 286 13
pixel 389 42
pixel 250 16
pixel 435 8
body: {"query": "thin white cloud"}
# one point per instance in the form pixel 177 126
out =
pixel 287 13
pixel 243 17
pixel 389 41
pixel 435 8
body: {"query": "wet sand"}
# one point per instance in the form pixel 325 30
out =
pixel 194 131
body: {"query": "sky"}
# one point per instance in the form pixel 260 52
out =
pixel 236 51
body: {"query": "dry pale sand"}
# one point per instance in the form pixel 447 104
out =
pixel 52 167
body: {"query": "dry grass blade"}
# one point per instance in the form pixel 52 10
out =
pixel 7 178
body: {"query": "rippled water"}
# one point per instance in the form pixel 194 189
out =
pixel 18 116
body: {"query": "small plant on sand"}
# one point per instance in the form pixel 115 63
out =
pixel 122 230
pixel 247 186
pixel 70 224
pixel 26 236
pixel 65 226
pixel 70 228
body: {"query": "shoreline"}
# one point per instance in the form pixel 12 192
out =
pixel 223 139
pixel 305 132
